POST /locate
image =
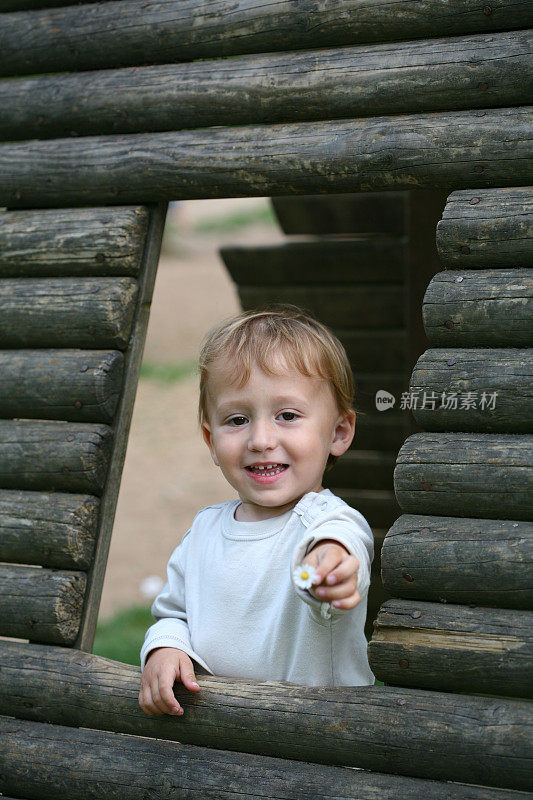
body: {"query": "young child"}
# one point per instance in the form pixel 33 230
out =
pixel 276 394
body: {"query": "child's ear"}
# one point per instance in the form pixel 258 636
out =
pixel 344 433
pixel 208 439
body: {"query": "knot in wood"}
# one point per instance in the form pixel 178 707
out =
pixel 451 362
pixel 78 404
pixel 448 324
pixel 416 614
pixel 426 486
pixel 84 368
pixel 479 168
pixel 404 663
pixel 464 249
pixel 407 577
pixel 487 10
pixel 475 200
pixel 483 86
pixel 100 257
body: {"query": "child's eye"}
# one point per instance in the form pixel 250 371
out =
pixel 288 416
pixel 237 421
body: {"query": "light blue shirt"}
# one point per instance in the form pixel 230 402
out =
pixel 230 601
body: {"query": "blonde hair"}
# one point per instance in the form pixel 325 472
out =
pixel 259 336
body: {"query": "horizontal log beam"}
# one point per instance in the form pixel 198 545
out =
pixel 453 648
pixel 360 469
pixel 355 306
pixel 474 390
pixel 316 215
pixel 483 228
pixel 51 529
pixel 478 739
pixel 67 312
pixel 72 385
pixel 54 456
pixel 146 31
pixel 42 605
pixel 438 559
pixel 447 150
pixel 473 308
pixel 409 77
pixel 466 475
pixel 63 242
pixel 369 259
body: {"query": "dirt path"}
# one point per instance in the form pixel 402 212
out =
pixel 169 475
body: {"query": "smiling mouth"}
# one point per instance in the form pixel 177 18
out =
pixel 268 470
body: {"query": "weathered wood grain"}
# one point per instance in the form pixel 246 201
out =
pixel 474 308
pixel 487 390
pixel 42 605
pixel 51 529
pixel 66 312
pixel 453 648
pixel 372 212
pixel 353 306
pixel 456 560
pixel 454 149
pixel 407 77
pixel 363 469
pixel 145 31
pixel 121 425
pixel 368 259
pixel 481 740
pixel 487 228
pixel 466 475
pixel 130 767
pixel 64 242
pixel 54 456
pixel 378 506
pixel 74 385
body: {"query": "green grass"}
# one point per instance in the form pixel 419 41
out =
pixel 238 220
pixel 121 637
pixel 167 373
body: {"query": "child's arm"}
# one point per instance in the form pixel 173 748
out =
pixel 164 666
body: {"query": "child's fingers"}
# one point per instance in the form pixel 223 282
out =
pixel 187 676
pixel 341 572
pixel 164 697
pixel 340 591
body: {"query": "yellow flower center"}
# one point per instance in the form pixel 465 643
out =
pixel 305 575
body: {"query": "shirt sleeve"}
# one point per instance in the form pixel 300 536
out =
pixel 169 609
pixel 348 527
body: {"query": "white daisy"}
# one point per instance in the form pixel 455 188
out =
pixel 305 576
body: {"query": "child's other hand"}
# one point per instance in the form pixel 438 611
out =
pixel 163 667
pixel 337 570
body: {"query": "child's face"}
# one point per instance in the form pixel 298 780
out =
pixel 289 423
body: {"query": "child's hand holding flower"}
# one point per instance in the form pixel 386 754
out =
pixel 333 571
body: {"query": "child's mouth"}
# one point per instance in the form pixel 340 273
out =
pixel 268 473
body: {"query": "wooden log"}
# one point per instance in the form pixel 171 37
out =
pixel 74 385
pixel 130 767
pixel 466 475
pixel 379 431
pixel 473 390
pixel 378 506
pixel 369 213
pixel 446 150
pixel 64 242
pixel 54 456
pixel 42 605
pixel 453 648
pixel 362 469
pixel 487 228
pixel 439 559
pixel 436 75
pixel 66 312
pixel 369 259
pixel 145 31
pixel 382 728
pixel 354 306
pixel 54 530
pixel 470 308
pixel 121 425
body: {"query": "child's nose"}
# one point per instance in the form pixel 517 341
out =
pixel 262 435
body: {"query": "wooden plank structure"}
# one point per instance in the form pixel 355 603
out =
pixel 344 98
